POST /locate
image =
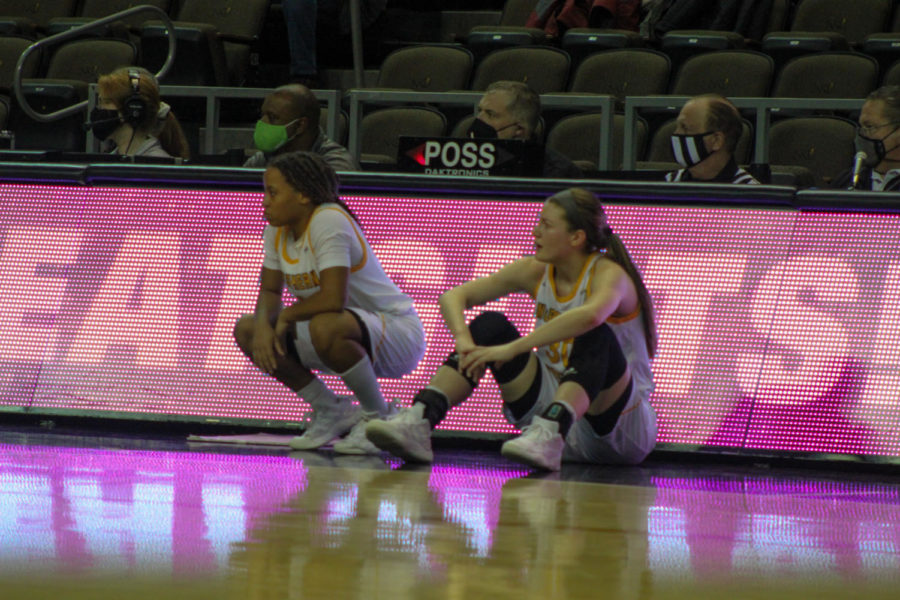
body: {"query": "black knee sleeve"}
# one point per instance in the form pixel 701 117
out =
pixel 519 407
pixel 604 423
pixel 492 328
pixel 596 360
pixel 452 361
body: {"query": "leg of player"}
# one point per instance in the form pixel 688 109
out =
pixel 342 342
pixel 408 435
pixel 597 386
pixel 329 412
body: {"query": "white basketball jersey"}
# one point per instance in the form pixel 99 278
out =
pixel 333 239
pixel 629 330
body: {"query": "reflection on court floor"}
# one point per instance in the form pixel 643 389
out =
pixel 306 525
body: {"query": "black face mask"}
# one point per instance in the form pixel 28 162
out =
pixel 480 129
pixel 103 122
pixel 874 149
pixel 689 149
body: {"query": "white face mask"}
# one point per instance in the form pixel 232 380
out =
pixel 689 149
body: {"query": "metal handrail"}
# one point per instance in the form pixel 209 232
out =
pixel 764 107
pixel 358 97
pixel 75 32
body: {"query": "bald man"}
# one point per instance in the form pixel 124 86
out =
pixel 289 122
pixel 706 133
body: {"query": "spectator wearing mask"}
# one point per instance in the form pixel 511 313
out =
pixel 511 110
pixel 131 118
pixel 706 134
pixel 289 123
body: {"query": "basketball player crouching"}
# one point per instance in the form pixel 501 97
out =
pixel 349 318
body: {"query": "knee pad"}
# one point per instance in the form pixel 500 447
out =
pixel 604 423
pixel 596 360
pixel 452 361
pixel 492 328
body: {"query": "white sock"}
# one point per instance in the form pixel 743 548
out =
pixel 360 378
pixel 317 394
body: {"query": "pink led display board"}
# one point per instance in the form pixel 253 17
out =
pixel 778 329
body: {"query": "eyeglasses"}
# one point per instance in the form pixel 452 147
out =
pixel 869 130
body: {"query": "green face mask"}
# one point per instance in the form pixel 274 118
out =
pixel 270 138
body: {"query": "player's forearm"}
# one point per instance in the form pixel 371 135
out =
pixel 567 325
pixel 306 308
pixel 268 305
pixel 453 306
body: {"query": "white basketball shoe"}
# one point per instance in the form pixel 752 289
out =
pixel 328 422
pixel 407 434
pixel 355 442
pixel 540 445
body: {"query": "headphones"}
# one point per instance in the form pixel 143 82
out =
pixel 134 107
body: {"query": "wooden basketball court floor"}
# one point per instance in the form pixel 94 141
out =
pixel 86 515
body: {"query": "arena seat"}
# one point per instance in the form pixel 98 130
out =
pixel 511 31
pixel 427 68
pixel 680 45
pixel 822 144
pixel 581 42
pixel 623 72
pixel 86 59
pixel 732 73
pixel 827 75
pixel 200 56
pixel 883 47
pixel 11 48
pixel 577 137
pixel 29 16
pixel 853 20
pixel 892 76
pixel 45 97
pixel 380 130
pixel 209 33
pixel 823 25
pixel 543 68
pixel 91 10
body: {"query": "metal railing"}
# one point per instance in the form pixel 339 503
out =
pixel 764 107
pixel 358 98
pixel 74 33
pixel 213 101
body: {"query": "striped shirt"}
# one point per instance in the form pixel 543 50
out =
pixel 730 174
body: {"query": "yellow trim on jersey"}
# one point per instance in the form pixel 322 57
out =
pixel 590 281
pixel 282 238
pixel 537 288
pixel 612 318
pixel 362 243
pixel 551 273
pixel 617 320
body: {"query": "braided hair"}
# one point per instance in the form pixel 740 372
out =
pixel 309 174
pixel 583 211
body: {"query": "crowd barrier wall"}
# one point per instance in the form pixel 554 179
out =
pixel 778 311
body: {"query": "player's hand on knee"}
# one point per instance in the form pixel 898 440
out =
pixel 472 364
pixel 475 362
pixel 264 349
pixel 282 326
